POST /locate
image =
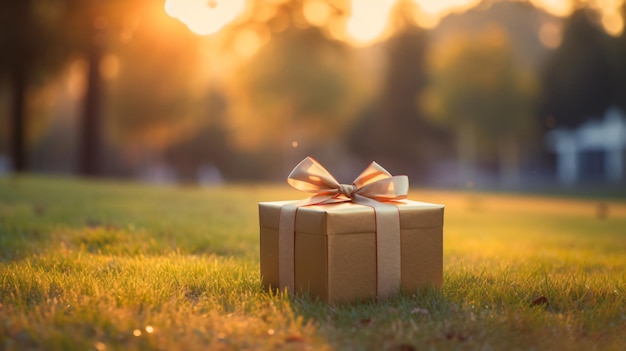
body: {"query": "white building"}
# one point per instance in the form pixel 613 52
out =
pixel 595 150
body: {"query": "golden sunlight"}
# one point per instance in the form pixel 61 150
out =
pixel 369 19
pixel 556 7
pixel 317 12
pixel 247 42
pixel 205 16
pixel 613 23
pixel 439 7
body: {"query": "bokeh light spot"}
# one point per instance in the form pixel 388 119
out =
pixel 317 12
pixel 613 23
pixel 247 42
pixel 109 66
pixel 369 19
pixel 550 35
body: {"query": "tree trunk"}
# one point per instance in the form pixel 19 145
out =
pixel 92 112
pixel 466 150
pixel 508 153
pixel 18 108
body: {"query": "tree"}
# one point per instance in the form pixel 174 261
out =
pixel 578 79
pixel 158 95
pixel 208 146
pixel 39 37
pixel 393 127
pixel 477 90
pixel 144 105
pixel 30 51
pixel 296 90
pixel 91 28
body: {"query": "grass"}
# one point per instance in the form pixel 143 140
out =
pixel 112 266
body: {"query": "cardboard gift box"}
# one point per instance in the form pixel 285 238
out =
pixel 335 248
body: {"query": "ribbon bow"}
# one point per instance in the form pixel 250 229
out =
pixel 373 187
pixel 374 183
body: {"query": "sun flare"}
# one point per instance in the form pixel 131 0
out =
pixel 205 17
pixel 368 19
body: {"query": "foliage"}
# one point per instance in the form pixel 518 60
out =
pixel 298 87
pixel 392 127
pixel 30 38
pixel 579 81
pixel 121 266
pixel 478 89
pixel 475 82
pixel 159 95
pixel 31 50
pixel 294 81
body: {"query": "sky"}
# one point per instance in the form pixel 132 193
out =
pixel 367 19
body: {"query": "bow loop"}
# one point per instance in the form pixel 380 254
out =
pixel 387 189
pixel 311 177
pixel 374 182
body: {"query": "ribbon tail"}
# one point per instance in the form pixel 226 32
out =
pixel 286 247
pixel 388 247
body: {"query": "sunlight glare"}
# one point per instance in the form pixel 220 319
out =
pixel 555 7
pixel 369 19
pixel 439 7
pixel 205 17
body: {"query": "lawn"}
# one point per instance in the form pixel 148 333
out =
pixel 88 265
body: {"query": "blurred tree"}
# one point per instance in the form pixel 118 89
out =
pixel 137 60
pixel 394 128
pixel 578 79
pixel 297 90
pixel 40 36
pixel 157 90
pixel 477 89
pixel 207 146
pixel 30 51
pixel 91 28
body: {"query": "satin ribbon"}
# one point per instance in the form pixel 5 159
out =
pixel 373 187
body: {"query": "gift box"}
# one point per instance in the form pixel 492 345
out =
pixel 350 242
pixel 335 249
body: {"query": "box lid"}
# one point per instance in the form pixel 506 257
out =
pixel 348 217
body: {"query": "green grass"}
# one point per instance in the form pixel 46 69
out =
pixel 94 266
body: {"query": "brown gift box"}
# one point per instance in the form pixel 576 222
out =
pixel 335 248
